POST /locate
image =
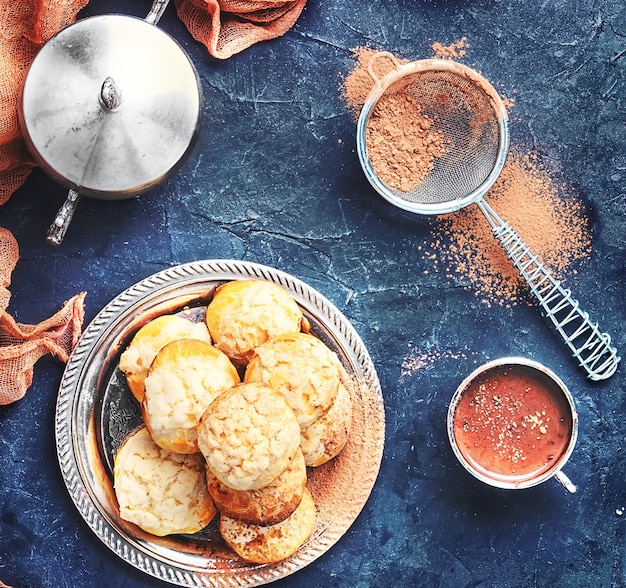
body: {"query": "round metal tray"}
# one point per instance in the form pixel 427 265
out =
pixel 95 411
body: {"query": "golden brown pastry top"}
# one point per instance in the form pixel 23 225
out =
pixel 138 356
pixel 272 543
pixel 159 491
pixel 245 313
pixel 302 368
pixel 184 378
pixel 248 436
pixel 325 437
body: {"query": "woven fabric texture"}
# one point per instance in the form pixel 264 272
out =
pixel 227 27
pixel 21 345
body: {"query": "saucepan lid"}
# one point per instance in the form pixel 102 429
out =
pixel 110 106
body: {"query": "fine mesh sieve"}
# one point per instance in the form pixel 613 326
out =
pixel 469 114
pixel 464 110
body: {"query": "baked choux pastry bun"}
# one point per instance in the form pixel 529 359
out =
pixel 245 313
pixel 266 506
pixel 302 368
pixel 138 356
pixel 248 436
pixel 161 492
pixel 272 543
pixel 184 378
pixel 325 437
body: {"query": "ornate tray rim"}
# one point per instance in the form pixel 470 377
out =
pixel 82 380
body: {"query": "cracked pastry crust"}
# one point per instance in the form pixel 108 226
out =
pixel 272 543
pixel 149 339
pixel 184 378
pixel 245 313
pixel 159 491
pixel 303 369
pixel 266 506
pixel 248 436
pixel 325 437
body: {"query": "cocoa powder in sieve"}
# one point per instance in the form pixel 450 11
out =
pixel 548 214
pixel 358 84
pixel 402 143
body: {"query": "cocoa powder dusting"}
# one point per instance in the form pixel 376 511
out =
pixel 548 216
pixel 421 359
pixel 456 50
pixel 341 486
pixel 402 142
pixel 356 86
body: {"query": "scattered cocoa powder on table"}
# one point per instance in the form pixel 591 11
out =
pixel 455 50
pixel 418 359
pixel 548 215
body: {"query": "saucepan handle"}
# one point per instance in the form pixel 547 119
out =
pixel 59 226
pixel 61 222
pixel 565 482
pixel 157 10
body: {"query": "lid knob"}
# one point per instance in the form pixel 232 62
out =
pixel 110 94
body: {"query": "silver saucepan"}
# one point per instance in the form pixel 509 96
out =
pixel 110 107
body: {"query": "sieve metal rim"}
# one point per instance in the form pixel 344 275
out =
pixel 380 87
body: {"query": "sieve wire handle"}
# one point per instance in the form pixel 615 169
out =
pixel 374 58
pixel 591 348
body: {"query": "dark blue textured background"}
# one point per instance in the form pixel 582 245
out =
pixel 275 179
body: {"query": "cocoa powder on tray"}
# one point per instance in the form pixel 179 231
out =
pixel 548 214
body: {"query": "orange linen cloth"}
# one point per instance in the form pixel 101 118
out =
pixel 22 345
pixel 225 27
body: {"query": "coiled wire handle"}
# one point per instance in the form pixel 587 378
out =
pixel 591 348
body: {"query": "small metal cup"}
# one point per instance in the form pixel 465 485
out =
pixel 502 367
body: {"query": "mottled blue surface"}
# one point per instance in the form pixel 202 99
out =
pixel 275 179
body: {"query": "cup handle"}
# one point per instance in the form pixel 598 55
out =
pixel 565 482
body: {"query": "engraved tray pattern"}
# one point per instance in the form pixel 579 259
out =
pixel 95 411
